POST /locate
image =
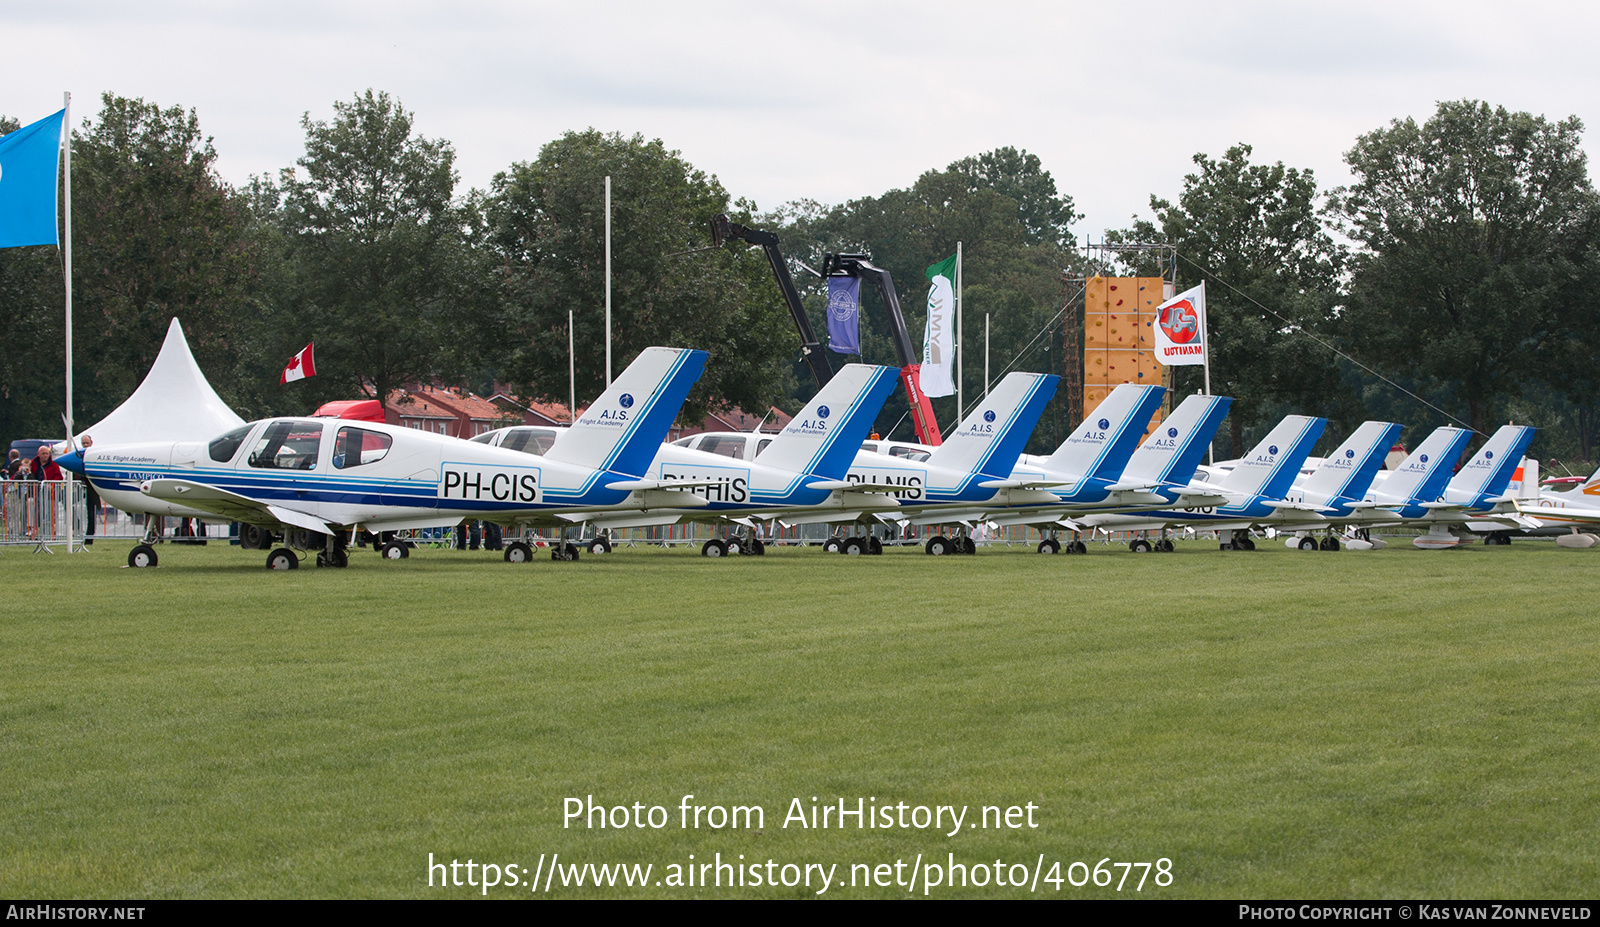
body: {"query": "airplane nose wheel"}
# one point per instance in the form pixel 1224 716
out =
pixel 142 555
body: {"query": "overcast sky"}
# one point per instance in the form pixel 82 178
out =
pixel 827 101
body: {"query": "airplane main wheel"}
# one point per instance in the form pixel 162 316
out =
pixel 713 548
pixel 283 559
pixel 394 550
pixel 735 547
pixel 1139 546
pixel 572 552
pixel 833 545
pixel 600 545
pixel 518 552
pixel 855 547
pixel 874 547
pixel 1308 543
pixel 758 547
pixel 1049 546
pixel 1247 544
pixel 1165 546
pixel 1078 547
pixel 142 555
pixel 938 545
pixel 1329 543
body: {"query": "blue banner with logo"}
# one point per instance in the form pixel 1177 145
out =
pixel 28 161
pixel 844 314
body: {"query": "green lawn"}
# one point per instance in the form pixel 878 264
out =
pixel 1277 724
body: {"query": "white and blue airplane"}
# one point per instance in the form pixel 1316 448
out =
pixel 1475 498
pixel 329 477
pixel 984 448
pixel 801 480
pixel 1336 490
pixel 792 471
pixel 1156 474
pixel 1241 498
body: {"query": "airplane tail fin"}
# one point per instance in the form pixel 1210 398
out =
pixel 1102 444
pixel 624 428
pixel 1271 466
pixel 990 439
pixel 1489 471
pixel 1422 475
pixel 1173 450
pixel 824 438
pixel 1348 472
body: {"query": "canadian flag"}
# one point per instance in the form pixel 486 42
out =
pixel 302 365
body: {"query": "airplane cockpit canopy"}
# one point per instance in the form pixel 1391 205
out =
pixel 225 446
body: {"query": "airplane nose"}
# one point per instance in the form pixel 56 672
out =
pixel 72 461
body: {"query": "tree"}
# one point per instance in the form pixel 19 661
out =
pixel 546 221
pixel 1005 209
pixel 1478 230
pixel 156 234
pixel 1255 233
pixel 377 263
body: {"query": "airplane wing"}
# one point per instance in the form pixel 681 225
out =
pixel 1025 484
pixel 1282 504
pixel 847 486
pixel 1565 514
pixel 231 505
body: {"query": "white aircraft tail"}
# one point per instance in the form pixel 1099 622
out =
pixel 623 430
pixel 1348 472
pixel 1173 450
pixel 1422 475
pixel 1588 492
pixel 1270 467
pixel 1488 473
pixel 1102 444
pixel 990 439
pixel 823 439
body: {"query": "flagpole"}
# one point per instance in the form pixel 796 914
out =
pixel 961 405
pixel 66 122
pixel 1205 336
pixel 1205 342
pixel 608 281
pixel 572 375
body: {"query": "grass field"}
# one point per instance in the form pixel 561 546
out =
pixel 1277 724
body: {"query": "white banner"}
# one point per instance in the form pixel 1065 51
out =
pixel 938 342
pixel 1180 329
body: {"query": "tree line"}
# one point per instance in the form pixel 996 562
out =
pixel 1454 277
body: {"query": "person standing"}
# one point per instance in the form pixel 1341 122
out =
pixel 13 464
pixel 45 467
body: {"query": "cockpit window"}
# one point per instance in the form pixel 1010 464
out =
pixel 287 446
pixel 353 447
pixel 484 438
pixel 763 445
pixel 223 448
pixel 910 453
pixel 530 440
pixel 726 445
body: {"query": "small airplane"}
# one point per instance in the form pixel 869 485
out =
pixel 795 470
pixel 1244 496
pixel 330 477
pixel 1570 511
pixel 1154 475
pixel 1475 496
pixel 1336 489
pixel 964 472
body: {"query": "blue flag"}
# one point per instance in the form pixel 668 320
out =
pixel 28 161
pixel 844 314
